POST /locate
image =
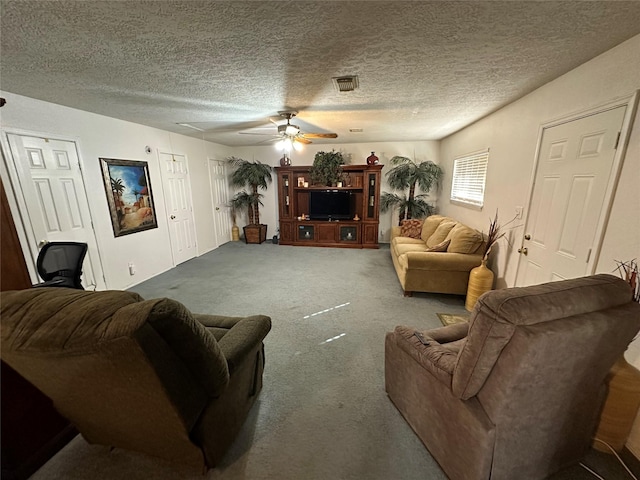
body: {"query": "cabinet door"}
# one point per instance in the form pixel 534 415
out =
pixel 370 234
pixel 372 188
pixel 286 233
pixel 285 190
pixel 327 232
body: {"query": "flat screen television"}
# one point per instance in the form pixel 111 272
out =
pixel 331 205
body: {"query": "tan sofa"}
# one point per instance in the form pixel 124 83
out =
pixel 421 270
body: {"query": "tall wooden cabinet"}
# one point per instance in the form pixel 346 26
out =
pixel 32 430
pixel 362 181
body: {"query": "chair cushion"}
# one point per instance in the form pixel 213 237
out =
pixel 464 239
pixel 192 343
pixel 411 228
pixel 440 235
pixel 498 313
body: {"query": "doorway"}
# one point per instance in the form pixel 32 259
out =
pixel 177 195
pixel 48 183
pixel 220 200
pixel 576 168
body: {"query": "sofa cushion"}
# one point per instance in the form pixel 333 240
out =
pixel 411 228
pixel 440 235
pixel 464 239
pixel 441 247
pixel 403 248
pixel 429 226
pixel 407 240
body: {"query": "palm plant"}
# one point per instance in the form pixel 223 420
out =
pixel 244 201
pixel 254 176
pixel 407 174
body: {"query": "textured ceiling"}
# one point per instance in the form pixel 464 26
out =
pixel 426 69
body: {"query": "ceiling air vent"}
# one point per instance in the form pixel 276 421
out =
pixel 345 84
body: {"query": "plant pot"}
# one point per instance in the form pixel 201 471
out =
pixel 480 281
pixel 620 408
pixel 255 233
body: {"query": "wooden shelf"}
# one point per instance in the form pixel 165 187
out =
pixel 293 202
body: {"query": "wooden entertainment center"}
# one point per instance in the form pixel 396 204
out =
pixel 360 231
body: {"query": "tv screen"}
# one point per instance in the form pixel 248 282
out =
pixel 330 205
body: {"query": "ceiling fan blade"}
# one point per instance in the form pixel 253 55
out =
pixel 250 133
pixel 301 139
pixel 320 135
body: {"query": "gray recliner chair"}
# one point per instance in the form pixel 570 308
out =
pixel 516 392
pixel 147 376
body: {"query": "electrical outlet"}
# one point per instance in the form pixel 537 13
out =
pixel 519 212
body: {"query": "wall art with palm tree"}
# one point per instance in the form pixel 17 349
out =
pixel 128 190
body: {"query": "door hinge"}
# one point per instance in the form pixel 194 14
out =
pixel 588 256
pixel 617 141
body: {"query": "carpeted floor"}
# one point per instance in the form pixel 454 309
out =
pixel 323 413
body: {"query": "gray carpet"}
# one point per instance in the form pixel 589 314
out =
pixel 323 413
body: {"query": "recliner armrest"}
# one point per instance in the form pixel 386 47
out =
pixel 437 359
pixel 449 333
pixel 244 334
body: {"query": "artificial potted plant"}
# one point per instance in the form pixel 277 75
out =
pixel 406 174
pixel 253 176
pixel 327 168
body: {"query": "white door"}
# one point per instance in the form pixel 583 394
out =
pixel 51 182
pixel 575 166
pixel 220 199
pixel 177 189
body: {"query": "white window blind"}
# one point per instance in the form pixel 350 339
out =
pixel 469 175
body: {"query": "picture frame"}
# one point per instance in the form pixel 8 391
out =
pixel 300 181
pixel 129 195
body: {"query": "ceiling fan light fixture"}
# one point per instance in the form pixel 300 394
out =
pixel 291 129
pixel 346 84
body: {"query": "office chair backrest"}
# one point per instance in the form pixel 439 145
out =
pixel 60 264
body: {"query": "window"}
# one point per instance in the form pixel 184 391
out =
pixel 469 175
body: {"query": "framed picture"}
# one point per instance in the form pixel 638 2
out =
pixel 128 189
pixel 301 181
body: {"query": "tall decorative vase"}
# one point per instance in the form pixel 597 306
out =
pixel 235 233
pixel 480 281
pixel 620 407
pixel 372 159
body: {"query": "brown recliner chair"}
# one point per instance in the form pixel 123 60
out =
pixel 516 392
pixel 148 376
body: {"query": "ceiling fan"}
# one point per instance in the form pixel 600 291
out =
pixel 289 135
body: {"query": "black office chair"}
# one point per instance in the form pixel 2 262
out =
pixel 60 264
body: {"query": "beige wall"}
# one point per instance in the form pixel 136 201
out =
pixel 99 136
pixel 511 134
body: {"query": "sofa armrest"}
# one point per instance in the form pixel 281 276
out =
pixel 442 261
pixel 437 359
pixel 244 334
pixel 395 232
pixel 449 333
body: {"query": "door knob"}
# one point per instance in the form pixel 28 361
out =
pixel 217 208
pixel 42 243
pixel 527 237
pixel 523 251
pixel 173 217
